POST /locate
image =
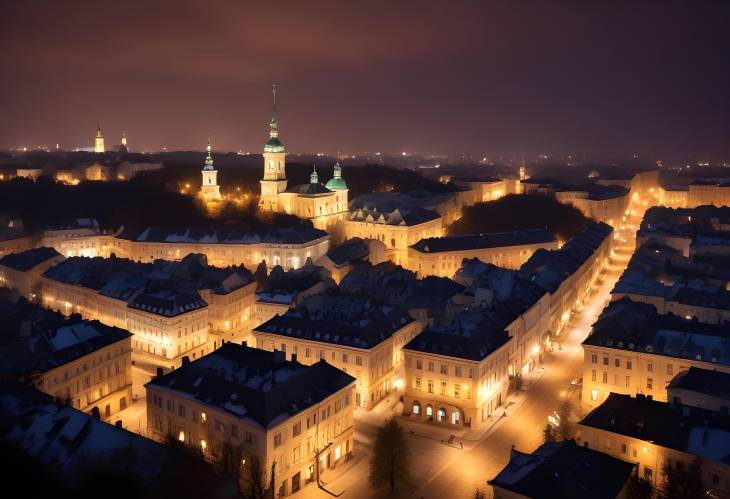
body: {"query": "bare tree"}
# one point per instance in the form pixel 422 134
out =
pixel 389 466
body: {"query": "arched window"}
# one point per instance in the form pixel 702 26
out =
pixel 429 411
pixel 416 408
pixel 455 417
pixel 442 414
pixel 271 165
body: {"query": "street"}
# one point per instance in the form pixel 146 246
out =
pixel 441 470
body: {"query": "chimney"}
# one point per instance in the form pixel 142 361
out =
pixel 159 372
pixel 95 413
pixel 293 357
pixel 279 357
pixel 185 360
pixel 118 424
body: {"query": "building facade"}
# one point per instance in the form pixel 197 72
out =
pixel 293 419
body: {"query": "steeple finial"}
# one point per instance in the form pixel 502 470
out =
pixel 273 125
pixel 209 157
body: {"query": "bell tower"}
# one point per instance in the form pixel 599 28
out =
pixel 99 140
pixel 274 181
pixel 209 188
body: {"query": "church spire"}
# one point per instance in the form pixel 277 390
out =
pixel 273 124
pixel 313 177
pixel 209 158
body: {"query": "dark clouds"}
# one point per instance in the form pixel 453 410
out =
pixel 475 77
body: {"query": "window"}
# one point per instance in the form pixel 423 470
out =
pixel 442 414
pixel 444 369
pixel 617 362
pixel 593 375
pixel 203 417
pixel 416 409
pixel 296 429
pixel 594 359
pixel 605 377
pixel 234 431
pixel 650 367
pixel 430 366
pixel 418 364
pixel 443 388
pixel 418 383
pixel 649 383
pixel 277 440
pixel 457 372
pixel 457 390
pixel 628 381
pixel 623 448
pixel 628 364
pixel 358 360
pixel 430 386
pixel 594 394
pixel 605 360
pixel 296 454
pixel 670 369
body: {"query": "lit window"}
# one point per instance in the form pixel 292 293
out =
pixel 181 436
pixel 594 394
pixel 203 444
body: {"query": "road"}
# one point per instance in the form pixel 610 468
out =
pixel 443 471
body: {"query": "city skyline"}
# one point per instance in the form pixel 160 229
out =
pixel 465 79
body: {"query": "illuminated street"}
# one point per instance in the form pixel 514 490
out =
pixel 444 470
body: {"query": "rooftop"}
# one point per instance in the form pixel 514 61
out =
pixel 254 385
pixel 481 241
pixel 629 325
pixel 55 347
pixel 66 440
pixel 564 470
pixel 225 235
pixel 549 268
pixel 354 249
pixel 712 383
pixel 688 429
pixel 26 260
pixel 339 319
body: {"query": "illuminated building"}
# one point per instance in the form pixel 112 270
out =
pixel 99 141
pixel 362 340
pixel 324 205
pixel 222 246
pixel 169 314
pixel 123 147
pixel 632 349
pixel 84 363
pixel 296 420
pixel 22 271
pixel 209 187
pixel 396 227
pixel 658 435
pixel 442 256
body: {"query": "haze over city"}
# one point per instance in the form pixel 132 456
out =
pixel 470 78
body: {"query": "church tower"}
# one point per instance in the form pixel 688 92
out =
pixel 99 141
pixel 209 188
pixel 274 181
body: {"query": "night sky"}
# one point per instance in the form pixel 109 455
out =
pixel 480 78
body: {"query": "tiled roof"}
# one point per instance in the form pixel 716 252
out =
pixel 479 241
pixel 26 260
pixel 564 470
pixel 252 384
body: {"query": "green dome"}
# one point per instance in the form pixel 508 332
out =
pixel 273 145
pixel 336 184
